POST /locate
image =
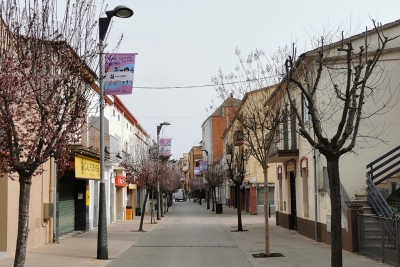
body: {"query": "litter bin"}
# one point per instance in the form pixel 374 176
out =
pixel 129 211
pixel 218 208
pixel 138 211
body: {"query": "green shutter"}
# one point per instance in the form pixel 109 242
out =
pixel 66 204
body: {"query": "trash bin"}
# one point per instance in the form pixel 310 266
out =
pixel 218 208
pixel 138 212
pixel 129 211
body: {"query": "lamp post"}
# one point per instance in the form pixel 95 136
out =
pixel 102 243
pixel 158 158
pixel 209 189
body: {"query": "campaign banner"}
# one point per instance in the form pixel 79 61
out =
pixel 203 165
pixel 119 69
pixel 196 170
pixel 165 146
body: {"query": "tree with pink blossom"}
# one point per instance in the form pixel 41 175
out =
pixel 45 90
pixel 215 178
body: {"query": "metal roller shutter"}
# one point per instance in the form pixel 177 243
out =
pixel 66 203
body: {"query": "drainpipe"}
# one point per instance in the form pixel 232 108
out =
pixel 315 197
pixel 51 200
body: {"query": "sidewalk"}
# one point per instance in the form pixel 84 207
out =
pixel 298 251
pixel 80 250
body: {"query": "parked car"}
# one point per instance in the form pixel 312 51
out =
pixel 179 195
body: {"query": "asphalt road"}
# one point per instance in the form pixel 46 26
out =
pixel 189 236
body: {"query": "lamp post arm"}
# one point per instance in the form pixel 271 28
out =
pixel 103 27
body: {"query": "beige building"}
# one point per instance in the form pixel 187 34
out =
pixel 252 188
pixel 302 188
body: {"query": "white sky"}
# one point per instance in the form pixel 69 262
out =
pixel 184 43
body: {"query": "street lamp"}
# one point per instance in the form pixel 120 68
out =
pixel 209 189
pixel 102 243
pixel 158 182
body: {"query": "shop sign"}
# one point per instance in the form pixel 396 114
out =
pixel 132 186
pixel 120 180
pixel 86 168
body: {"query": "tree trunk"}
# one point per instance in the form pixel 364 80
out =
pixel 143 210
pixel 161 205
pixel 336 210
pixel 208 197
pixel 200 196
pixel 239 209
pixel 25 184
pixel 266 217
pixel 151 206
pixel 213 199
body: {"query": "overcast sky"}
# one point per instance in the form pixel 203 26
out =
pixel 183 43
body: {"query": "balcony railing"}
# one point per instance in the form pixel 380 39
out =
pixel 285 145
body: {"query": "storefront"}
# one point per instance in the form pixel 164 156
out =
pixel 75 205
pixel 121 196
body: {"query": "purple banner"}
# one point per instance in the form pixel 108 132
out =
pixel 203 165
pixel 119 69
pixel 165 146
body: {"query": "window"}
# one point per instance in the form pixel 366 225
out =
pixel 325 182
pixel 113 112
pixel 305 109
pixel 118 117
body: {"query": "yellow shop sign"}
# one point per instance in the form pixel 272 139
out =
pixel 86 168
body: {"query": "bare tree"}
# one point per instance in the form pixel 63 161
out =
pixel 45 90
pixel 341 87
pixel 236 163
pixel 258 119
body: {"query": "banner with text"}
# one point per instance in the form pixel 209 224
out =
pixel 203 165
pixel 119 69
pixel 165 146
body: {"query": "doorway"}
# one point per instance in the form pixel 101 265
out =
pixel 293 212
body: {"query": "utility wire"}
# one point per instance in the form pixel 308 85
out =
pixel 171 117
pixel 174 87
pixel 197 86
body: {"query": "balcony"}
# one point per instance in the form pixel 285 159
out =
pixel 91 138
pixel 238 138
pixel 285 147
